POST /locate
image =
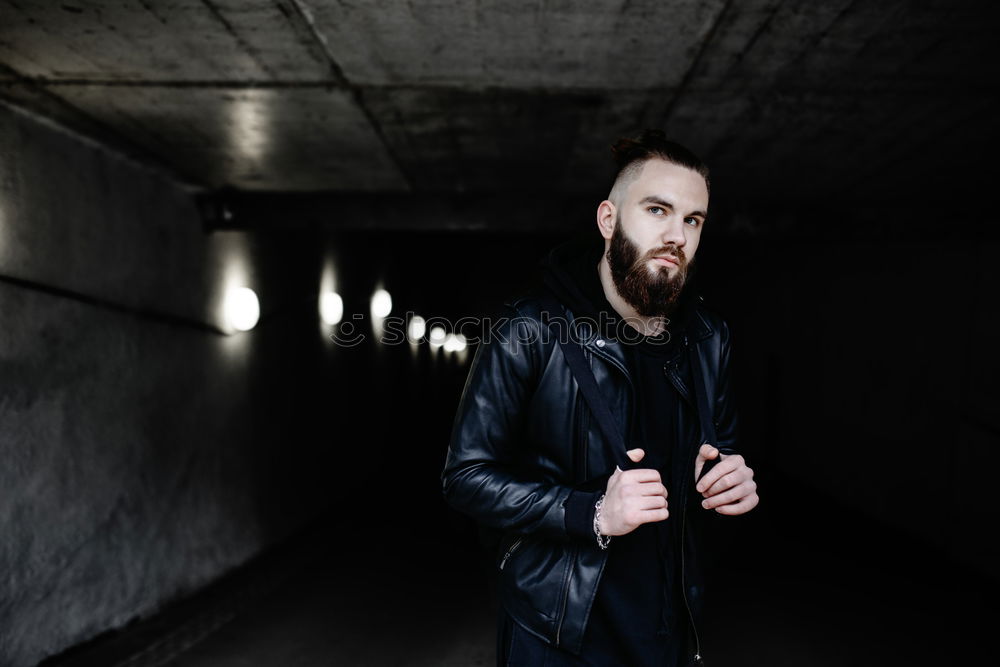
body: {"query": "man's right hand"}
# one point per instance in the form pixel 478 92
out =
pixel 632 498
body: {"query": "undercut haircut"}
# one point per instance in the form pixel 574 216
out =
pixel 631 153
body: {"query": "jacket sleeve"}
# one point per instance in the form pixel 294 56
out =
pixel 725 400
pixel 481 476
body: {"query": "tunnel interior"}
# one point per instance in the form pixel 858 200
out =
pixel 191 494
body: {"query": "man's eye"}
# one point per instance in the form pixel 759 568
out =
pixel 694 222
pixel 656 210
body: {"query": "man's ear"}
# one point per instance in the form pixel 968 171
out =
pixel 606 218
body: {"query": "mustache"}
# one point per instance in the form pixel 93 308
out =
pixel 671 250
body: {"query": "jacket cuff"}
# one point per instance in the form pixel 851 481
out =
pixel 580 513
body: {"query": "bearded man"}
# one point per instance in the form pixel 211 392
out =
pixel 597 562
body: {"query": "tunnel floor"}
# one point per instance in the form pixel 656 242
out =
pixel 785 593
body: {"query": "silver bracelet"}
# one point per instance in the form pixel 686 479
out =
pixel 602 540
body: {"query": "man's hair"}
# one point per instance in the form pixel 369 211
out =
pixel 631 153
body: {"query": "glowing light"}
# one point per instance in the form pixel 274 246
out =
pixel 417 329
pixel 250 127
pixel 381 303
pixel 331 308
pixel 438 336
pixel 242 308
pixel 454 343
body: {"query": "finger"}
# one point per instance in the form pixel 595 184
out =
pixel 641 475
pixel 724 467
pixel 742 507
pixel 636 454
pixel 649 516
pixel 724 483
pixel 651 489
pixel 707 452
pixel 733 495
pixel 729 480
pixel 723 476
pixel 651 503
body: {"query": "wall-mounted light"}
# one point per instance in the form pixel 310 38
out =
pixel 381 303
pixel 418 327
pixel 242 308
pixel 438 336
pixel 454 343
pixel 331 308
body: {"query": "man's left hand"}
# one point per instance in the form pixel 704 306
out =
pixel 728 487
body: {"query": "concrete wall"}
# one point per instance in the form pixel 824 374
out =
pixel 144 453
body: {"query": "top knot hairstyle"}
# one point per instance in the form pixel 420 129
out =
pixel 631 153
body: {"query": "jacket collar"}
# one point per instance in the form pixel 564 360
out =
pixel 613 350
pixel 699 327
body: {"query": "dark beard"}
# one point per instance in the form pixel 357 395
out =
pixel 651 294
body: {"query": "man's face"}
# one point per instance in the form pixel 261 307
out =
pixel 656 233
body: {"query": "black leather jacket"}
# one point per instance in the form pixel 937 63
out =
pixel 524 445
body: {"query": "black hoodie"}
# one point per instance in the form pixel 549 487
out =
pixel 636 613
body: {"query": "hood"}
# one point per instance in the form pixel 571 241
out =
pixel 570 272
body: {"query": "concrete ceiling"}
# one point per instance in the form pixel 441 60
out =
pixel 786 99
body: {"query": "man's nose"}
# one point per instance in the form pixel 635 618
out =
pixel 674 232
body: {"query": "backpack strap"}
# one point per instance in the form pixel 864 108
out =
pixel 705 412
pixel 608 424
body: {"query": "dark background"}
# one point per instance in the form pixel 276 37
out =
pixel 261 494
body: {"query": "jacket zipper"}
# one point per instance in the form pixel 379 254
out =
pixel 687 605
pixel 694 628
pixel 511 550
pixel 582 427
pixel 562 612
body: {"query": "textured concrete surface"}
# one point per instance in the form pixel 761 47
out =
pixel 419 603
pixel 787 99
pixel 139 461
pixel 255 138
pixel 80 218
pixel 117 493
